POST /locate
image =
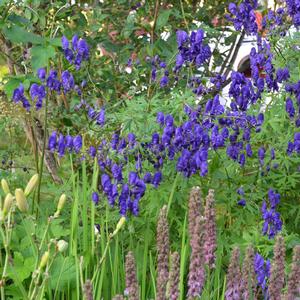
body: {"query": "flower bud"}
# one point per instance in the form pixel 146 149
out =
pixel 44 260
pixel 21 200
pixel 60 205
pixel 119 226
pixel 62 246
pixel 7 203
pixel 5 186
pixel 61 202
pixel 31 184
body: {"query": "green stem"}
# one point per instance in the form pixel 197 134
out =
pixel 102 258
pixel 38 196
pixel 6 237
pixel 172 192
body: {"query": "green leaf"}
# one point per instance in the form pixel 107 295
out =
pixel 129 26
pixel 17 34
pixel 21 268
pixel 10 86
pixel 16 19
pixel 58 230
pixel 163 18
pixel 55 42
pixel 40 56
pixel 62 272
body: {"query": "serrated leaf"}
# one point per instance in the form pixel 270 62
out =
pixel 40 56
pixel 20 267
pixel 58 230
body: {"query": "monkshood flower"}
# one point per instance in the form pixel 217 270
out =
pixel 18 96
pixel 293 89
pixel 92 151
pixel 242 202
pixel 62 143
pixel 130 194
pixel 52 81
pixel 294 146
pixel 243 92
pixel 98 116
pixel 282 75
pixel 77 143
pixel 117 172
pixel 262 271
pixel 69 142
pixel 289 107
pixel 95 198
pixel 214 107
pixel 217 81
pixel 272 153
pixel 41 74
pixel 293 9
pixel 275 22
pixel 78 52
pixel 192 49
pixel 52 142
pixel 67 81
pixel 101 117
pixel 164 81
pixel 272 222
pixel 249 150
pixel 261 60
pixel 38 93
pixel 261 155
pixel 243 16
pixel 109 189
pixel 156 180
pixel 274 198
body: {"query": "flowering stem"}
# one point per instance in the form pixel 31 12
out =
pixel 183 15
pixel 156 9
pixel 42 158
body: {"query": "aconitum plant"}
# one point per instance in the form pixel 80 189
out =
pixel 272 221
pixel 128 164
pixel 189 143
pixel 262 270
